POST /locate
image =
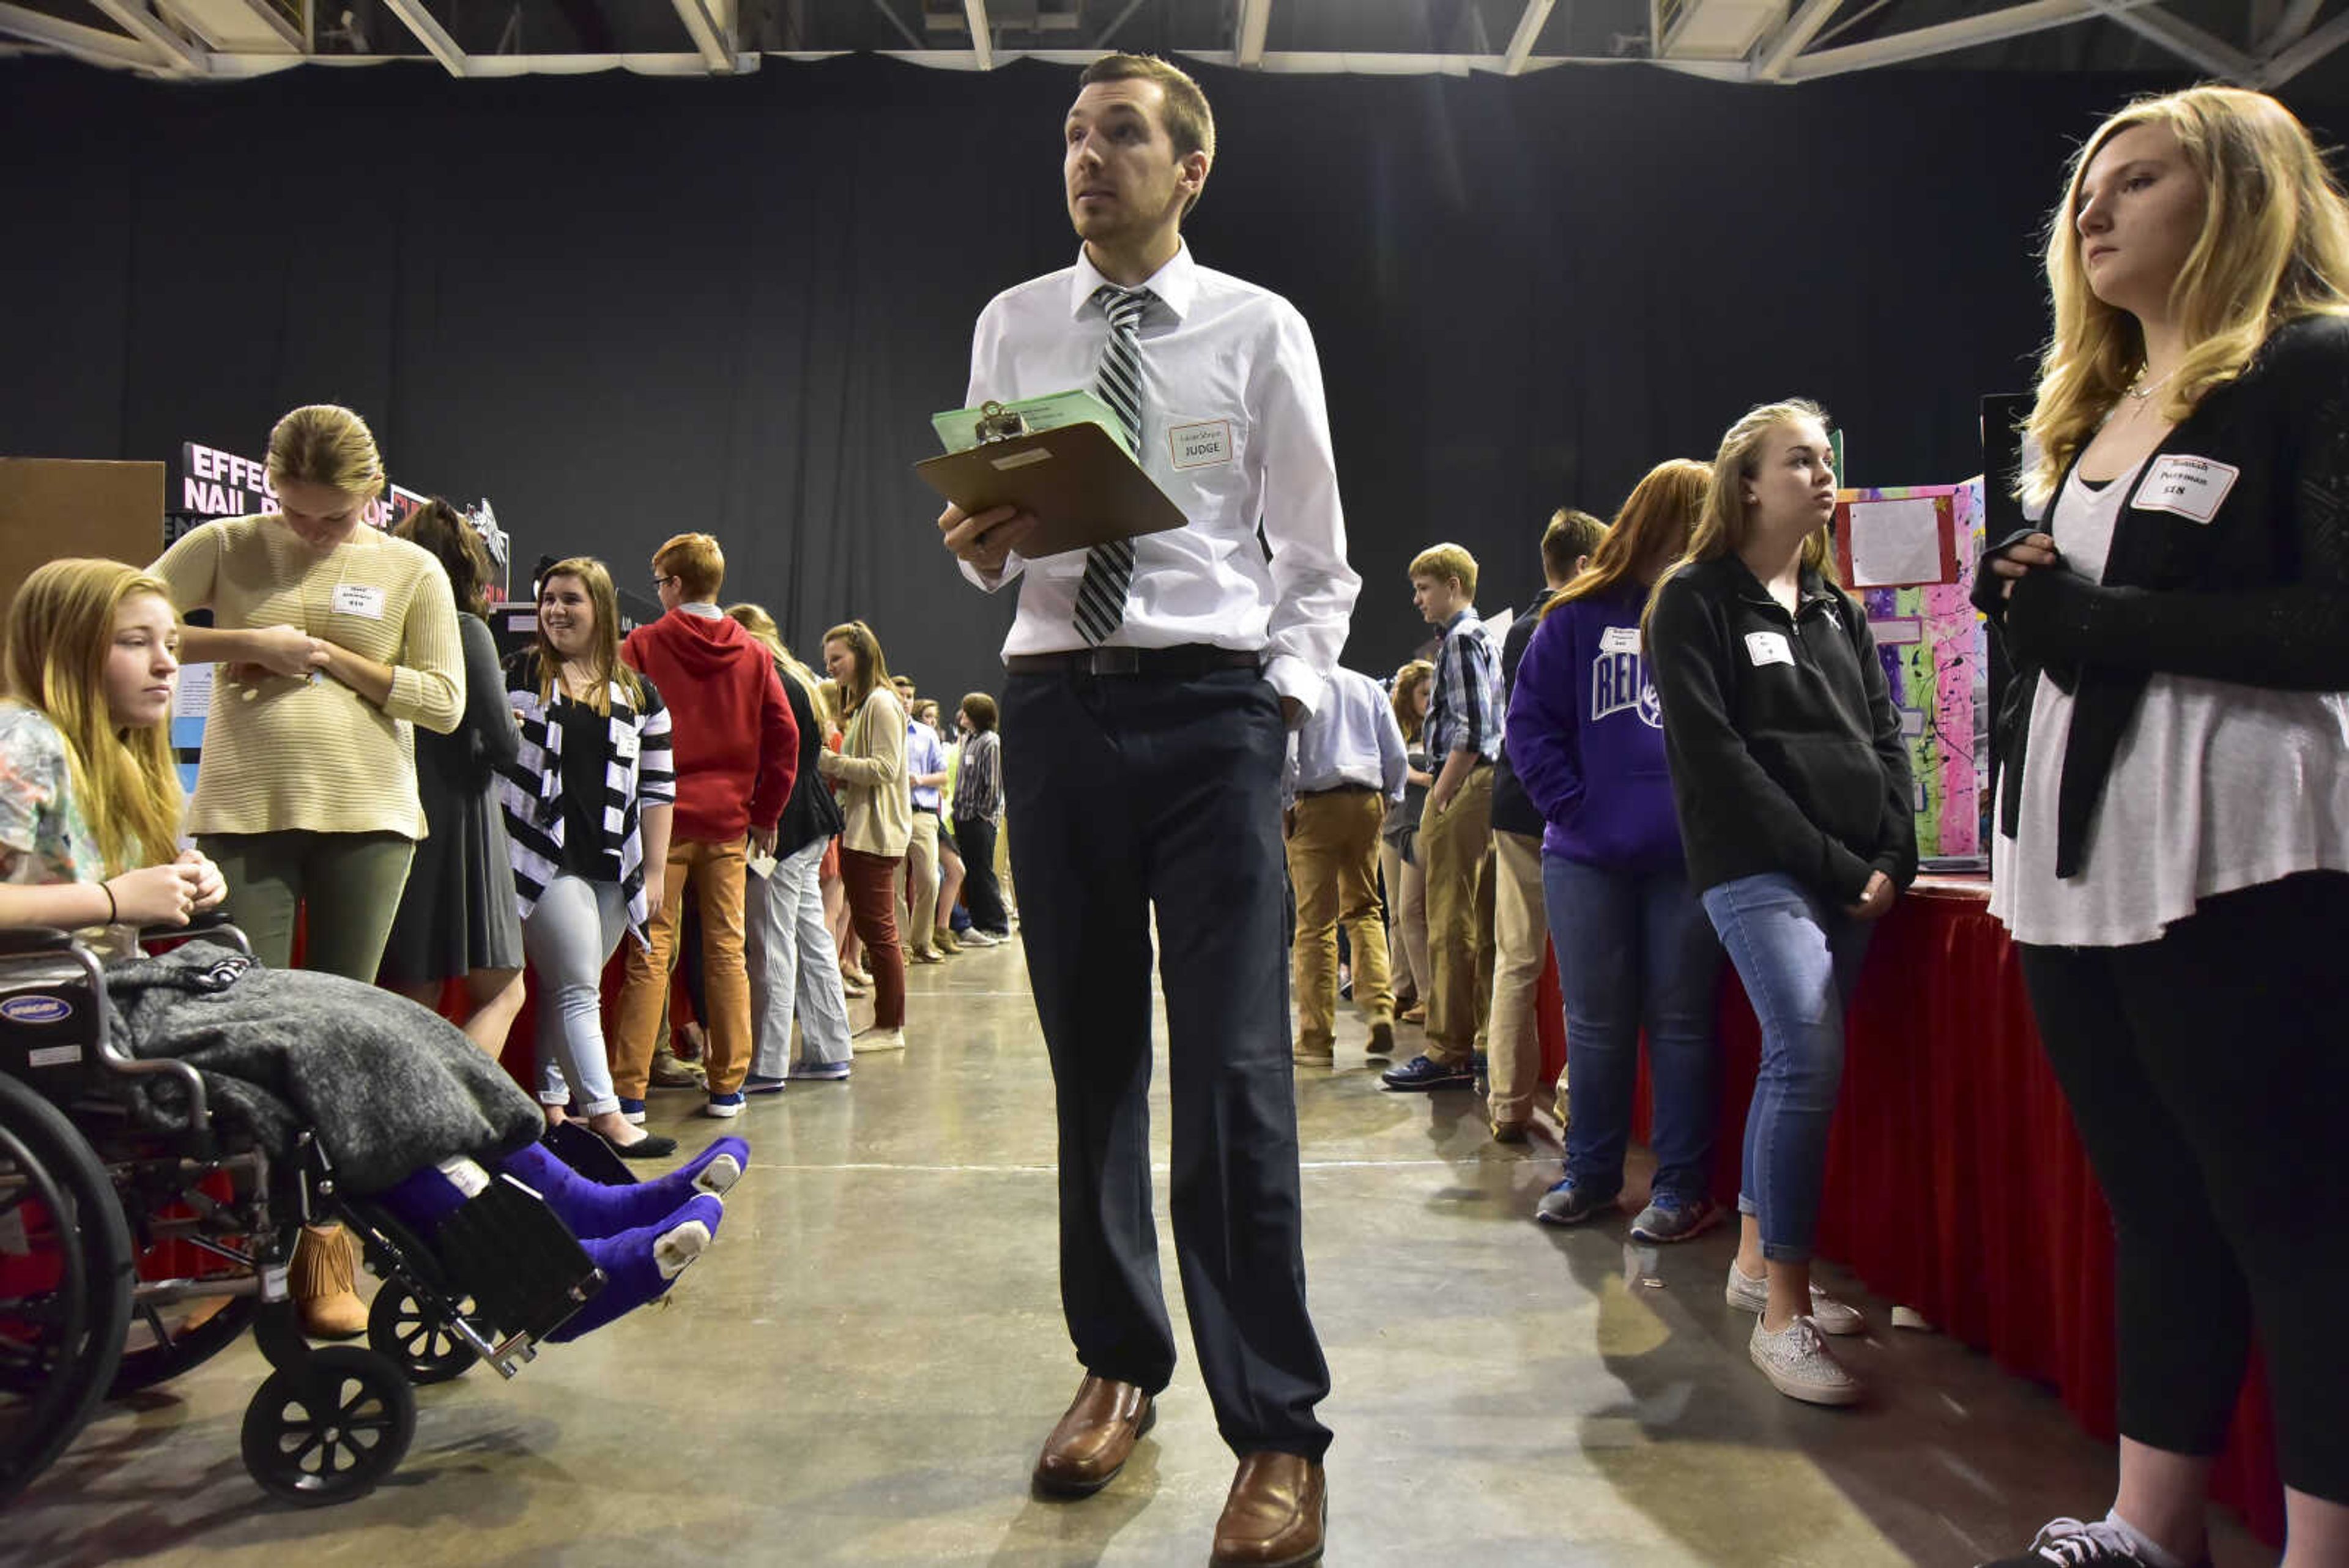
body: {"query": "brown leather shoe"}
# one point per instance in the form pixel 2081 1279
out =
pixel 1275 1515
pixel 1094 1440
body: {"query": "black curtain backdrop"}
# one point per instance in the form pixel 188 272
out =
pixel 623 307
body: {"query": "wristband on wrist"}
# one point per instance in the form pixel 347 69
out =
pixel 113 912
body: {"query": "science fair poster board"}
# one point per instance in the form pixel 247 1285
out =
pixel 1907 554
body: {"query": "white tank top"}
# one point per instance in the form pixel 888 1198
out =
pixel 2215 786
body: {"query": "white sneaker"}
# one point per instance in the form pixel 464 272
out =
pixel 1749 1295
pixel 975 938
pixel 877 1039
pixel 1799 1365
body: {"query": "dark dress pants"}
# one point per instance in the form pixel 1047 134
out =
pixel 1122 793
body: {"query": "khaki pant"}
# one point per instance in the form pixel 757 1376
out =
pixel 1456 846
pixel 1333 862
pixel 1406 883
pixel 917 882
pixel 715 872
pixel 1520 943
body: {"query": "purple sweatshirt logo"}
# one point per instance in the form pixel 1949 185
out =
pixel 1618 681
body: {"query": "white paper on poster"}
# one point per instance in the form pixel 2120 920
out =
pixel 1898 631
pixel 194 697
pixel 1895 542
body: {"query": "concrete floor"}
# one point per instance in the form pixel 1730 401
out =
pixel 861 1369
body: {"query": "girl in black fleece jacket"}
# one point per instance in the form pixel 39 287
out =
pixel 1791 779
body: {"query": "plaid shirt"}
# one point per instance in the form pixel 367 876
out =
pixel 1463 713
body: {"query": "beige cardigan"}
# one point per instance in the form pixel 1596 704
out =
pixel 876 798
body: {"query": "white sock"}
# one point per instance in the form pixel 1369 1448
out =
pixel 2144 1545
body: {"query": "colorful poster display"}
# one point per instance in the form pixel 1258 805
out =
pixel 1936 660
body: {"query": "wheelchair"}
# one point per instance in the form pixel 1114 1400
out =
pixel 128 1257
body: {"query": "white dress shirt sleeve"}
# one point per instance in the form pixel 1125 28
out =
pixel 988 378
pixel 1394 757
pixel 1313 588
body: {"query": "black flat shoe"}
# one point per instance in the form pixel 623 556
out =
pixel 652 1145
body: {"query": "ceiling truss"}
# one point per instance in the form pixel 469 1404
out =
pixel 173 39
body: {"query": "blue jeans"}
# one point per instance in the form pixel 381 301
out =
pixel 1799 957
pixel 1634 949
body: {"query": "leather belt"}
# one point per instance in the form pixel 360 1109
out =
pixel 1184 658
pixel 1343 789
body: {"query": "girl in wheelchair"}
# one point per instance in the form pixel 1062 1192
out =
pixel 89 811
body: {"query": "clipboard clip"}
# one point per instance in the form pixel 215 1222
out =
pixel 996 422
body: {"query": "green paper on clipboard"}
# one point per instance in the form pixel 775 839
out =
pixel 959 428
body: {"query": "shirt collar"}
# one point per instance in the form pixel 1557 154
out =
pixel 703 608
pixel 1460 616
pixel 1176 284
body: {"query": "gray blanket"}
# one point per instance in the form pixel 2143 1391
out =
pixel 387 1086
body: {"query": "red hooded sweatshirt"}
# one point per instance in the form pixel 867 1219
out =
pixel 735 745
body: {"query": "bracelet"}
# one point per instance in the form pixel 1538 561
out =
pixel 113 912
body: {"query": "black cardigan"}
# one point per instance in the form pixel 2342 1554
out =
pixel 1786 752
pixel 810 812
pixel 2259 595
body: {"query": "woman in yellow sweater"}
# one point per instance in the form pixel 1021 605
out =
pixel 327 634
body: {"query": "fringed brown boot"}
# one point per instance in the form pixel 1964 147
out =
pixel 324 1270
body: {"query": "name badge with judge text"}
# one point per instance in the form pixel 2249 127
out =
pixel 2189 486
pixel 1197 446
pixel 1768 648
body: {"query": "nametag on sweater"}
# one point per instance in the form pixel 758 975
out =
pixel 358 599
pixel 1768 648
pixel 1620 639
pixel 2189 486
pixel 625 745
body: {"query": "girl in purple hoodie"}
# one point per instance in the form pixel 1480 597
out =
pixel 1633 944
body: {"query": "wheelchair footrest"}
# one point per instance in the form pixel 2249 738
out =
pixel 520 1264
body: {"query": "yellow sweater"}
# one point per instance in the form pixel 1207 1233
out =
pixel 283 752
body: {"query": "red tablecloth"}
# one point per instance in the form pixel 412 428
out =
pixel 1955 1183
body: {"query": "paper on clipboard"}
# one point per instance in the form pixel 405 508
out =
pixel 959 430
pixel 1083 485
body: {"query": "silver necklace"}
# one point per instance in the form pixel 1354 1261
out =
pixel 2142 388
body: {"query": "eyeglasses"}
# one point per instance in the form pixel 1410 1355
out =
pixel 658 583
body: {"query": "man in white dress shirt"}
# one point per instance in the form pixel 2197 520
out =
pixel 1347 768
pixel 1143 721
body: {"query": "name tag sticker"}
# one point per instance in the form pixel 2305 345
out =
pixel 2191 487
pixel 358 599
pixel 1768 648
pixel 1620 639
pixel 625 745
pixel 1198 445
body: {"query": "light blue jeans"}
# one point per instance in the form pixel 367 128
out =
pixel 569 936
pixel 794 968
pixel 1799 957
pixel 1635 950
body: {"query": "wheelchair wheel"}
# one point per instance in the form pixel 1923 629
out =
pixel 337 1449
pixel 401 1329
pixel 65 1272
pixel 166 1341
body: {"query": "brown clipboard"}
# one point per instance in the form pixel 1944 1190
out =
pixel 1077 480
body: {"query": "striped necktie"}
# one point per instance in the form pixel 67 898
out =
pixel 1109 568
